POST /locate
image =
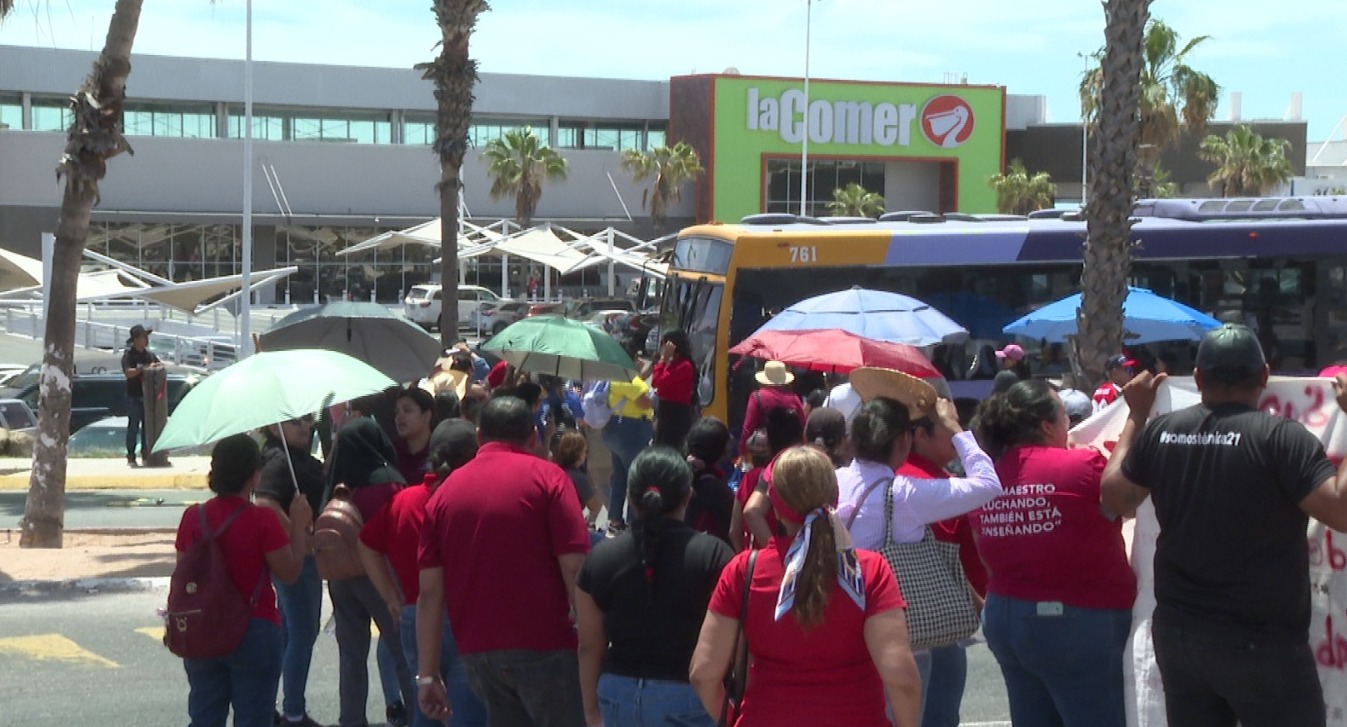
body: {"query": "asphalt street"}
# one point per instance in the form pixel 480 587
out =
pixel 73 657
pixel 98 509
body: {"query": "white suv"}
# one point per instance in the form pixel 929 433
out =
pixel 423 302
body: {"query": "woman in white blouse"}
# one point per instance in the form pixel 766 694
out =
pixel 881 436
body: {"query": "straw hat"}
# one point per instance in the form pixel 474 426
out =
pixel 447 380
pixel 871 382
pixel 775 373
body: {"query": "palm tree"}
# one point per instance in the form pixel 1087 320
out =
pixel 854 200
pixel 1113 156
pixel 671 168
pixel 94 137
pixel 454 75
pixel 1018 192
pixel 1246 163
pixel 518 163
pixel 1162 184
pixel 1174 98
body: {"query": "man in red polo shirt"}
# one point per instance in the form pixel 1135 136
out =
pixel 932 448
pixel 501 545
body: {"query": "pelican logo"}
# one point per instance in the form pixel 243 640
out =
pixel 947 121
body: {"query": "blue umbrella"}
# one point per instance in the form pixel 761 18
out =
pixel 1146 317
pixel 875 314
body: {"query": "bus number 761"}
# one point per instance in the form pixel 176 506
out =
pixel 803 254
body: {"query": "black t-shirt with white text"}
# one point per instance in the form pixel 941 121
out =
pixel 1227 482
pixel 653 629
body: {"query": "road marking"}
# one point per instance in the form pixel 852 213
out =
pixel 154 632
pixel 52 647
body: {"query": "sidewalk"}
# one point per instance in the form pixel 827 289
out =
pixel 183 473
pixel 114 559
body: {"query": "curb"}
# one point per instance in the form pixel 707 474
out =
pixel 155 481
pixel 87 585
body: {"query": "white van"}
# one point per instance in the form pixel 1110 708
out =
pixel 423 303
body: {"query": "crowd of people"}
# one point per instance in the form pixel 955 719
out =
pixel 500 602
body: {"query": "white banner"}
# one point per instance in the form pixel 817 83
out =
pixel 1311 402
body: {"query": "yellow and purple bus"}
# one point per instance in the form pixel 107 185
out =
pixel 1279 263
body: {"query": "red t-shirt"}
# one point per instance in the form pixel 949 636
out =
pixel 674 381
pixel 497 526
pixel 760 402
pixel 747 486
pixel 1106 394
pixel 821 676
pixel 395 531
pixel 1045 539
pixel 254 533
pixel 955 530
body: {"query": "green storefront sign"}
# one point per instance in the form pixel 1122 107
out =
pixel 757 119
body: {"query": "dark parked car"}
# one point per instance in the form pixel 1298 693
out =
pixel 98 396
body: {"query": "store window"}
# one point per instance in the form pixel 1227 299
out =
pixel 195 121
pixel 51 115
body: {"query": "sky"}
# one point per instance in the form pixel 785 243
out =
pixel 1265 51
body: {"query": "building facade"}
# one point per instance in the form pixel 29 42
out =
pixel 343 153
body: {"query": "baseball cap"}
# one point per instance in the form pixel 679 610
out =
pixel 1012 351
pixel 1119 359
pixel 1077 405
pixel 1230 354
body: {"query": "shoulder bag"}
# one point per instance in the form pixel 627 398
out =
pixel 737 679
pixel 940 609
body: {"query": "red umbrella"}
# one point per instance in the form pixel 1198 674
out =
pixel 835 351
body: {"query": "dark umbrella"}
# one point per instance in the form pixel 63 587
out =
pixel 367 331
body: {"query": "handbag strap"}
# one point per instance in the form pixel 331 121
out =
pixel 871 488
pixel 740 665
pixel 888 513
pixel 229 520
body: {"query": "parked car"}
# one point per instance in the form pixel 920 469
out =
pixel 582 307
pixel 492 318
pixel 424 302
pixel 99 396
pixel 17 416
pixel 545 309
pixel 107 438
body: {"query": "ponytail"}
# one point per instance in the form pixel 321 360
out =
pixel 817 576
pixel 660 481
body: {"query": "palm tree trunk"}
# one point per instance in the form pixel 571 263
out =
pixel 1108 253
pixel 454 75
pixel 94 138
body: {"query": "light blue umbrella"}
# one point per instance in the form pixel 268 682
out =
pixel 875 314
pixel 1147 317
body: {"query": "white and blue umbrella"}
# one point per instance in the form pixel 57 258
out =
pixel 1147 317
pixel 875 314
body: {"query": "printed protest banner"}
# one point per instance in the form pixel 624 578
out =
pixel 1310 401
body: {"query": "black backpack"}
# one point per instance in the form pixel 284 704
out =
pixel 206 616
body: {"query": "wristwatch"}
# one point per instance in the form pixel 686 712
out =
pixel 425 681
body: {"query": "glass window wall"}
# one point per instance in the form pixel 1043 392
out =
pixel 191 121
pixel 11 111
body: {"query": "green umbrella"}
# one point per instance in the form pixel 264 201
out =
pixel 564 348
pixel 267 388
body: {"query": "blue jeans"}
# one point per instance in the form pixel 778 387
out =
pixel 468 710
pixel 245 679
pixel 942 691
pixel 1063 665
pixel 135 426
pixel 523 688
pixel 301 605
pixel 625 437
pixel 1215 677
pixel 633 702
pixel 388 670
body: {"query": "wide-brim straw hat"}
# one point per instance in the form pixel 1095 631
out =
pixel 447 380
pixel 775 373
pixel 916 394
